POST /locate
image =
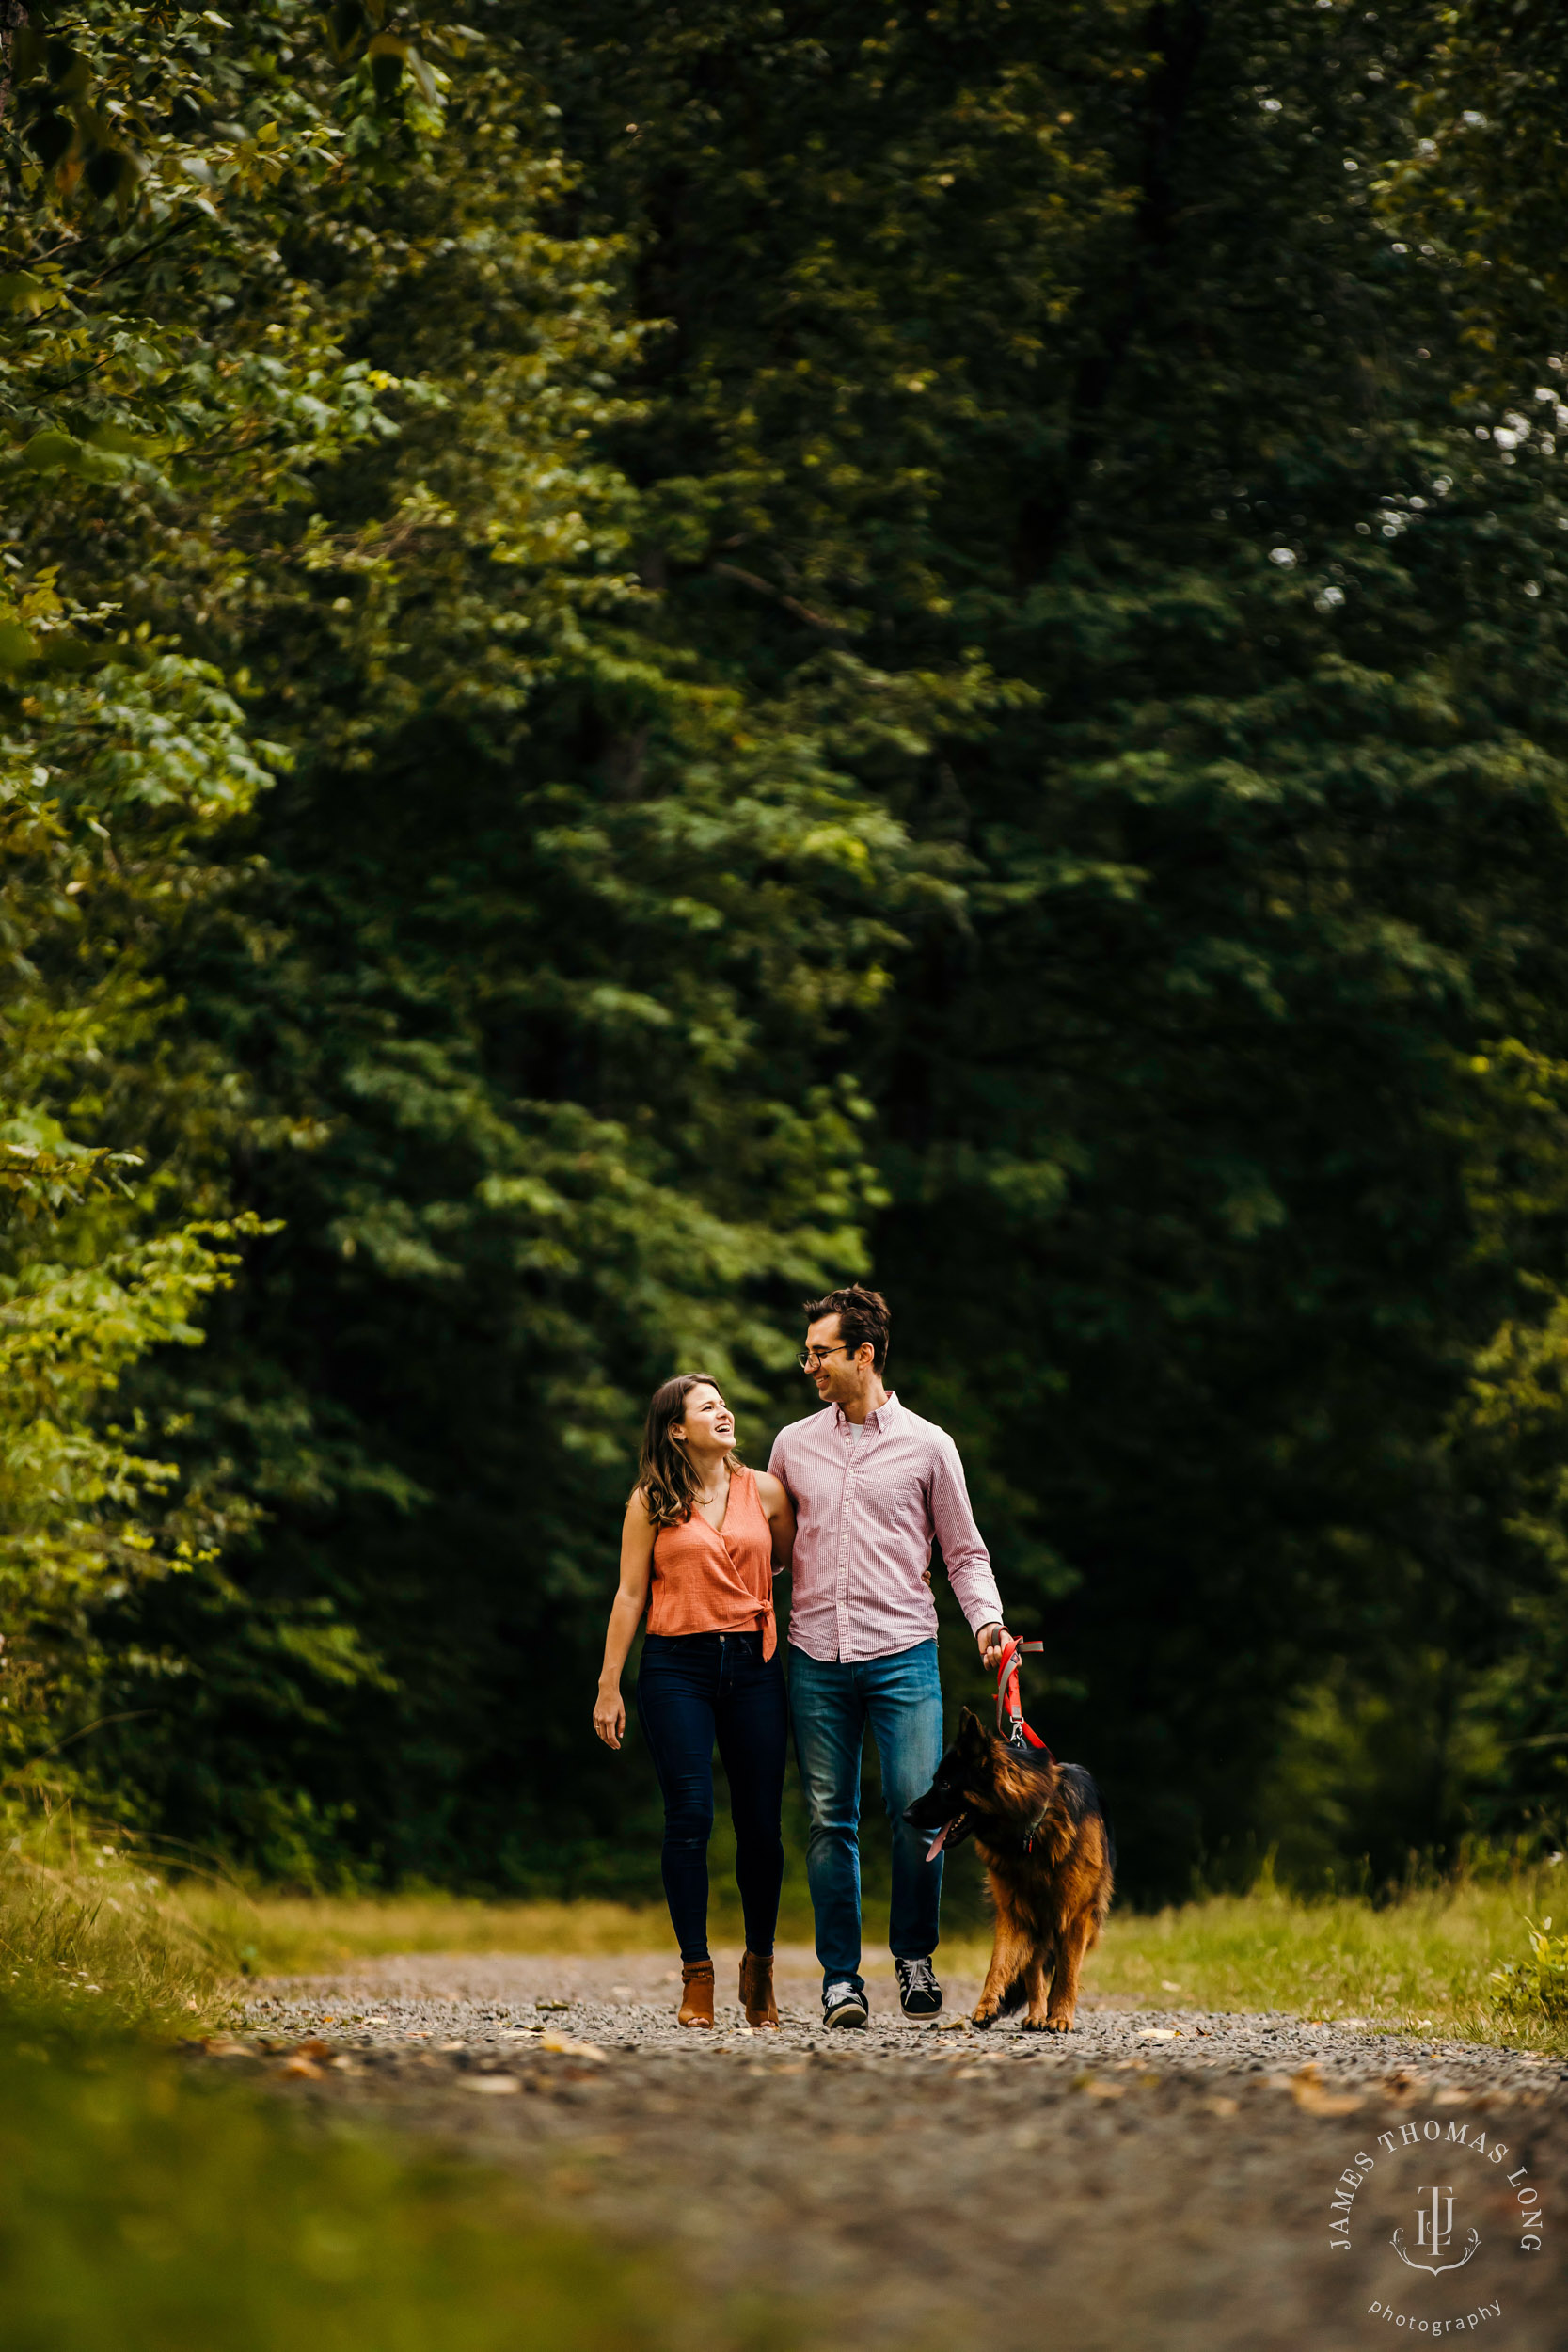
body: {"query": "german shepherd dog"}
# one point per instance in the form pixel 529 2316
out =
pixel 1049 1856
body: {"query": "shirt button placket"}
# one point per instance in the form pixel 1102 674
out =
pixel 845 1515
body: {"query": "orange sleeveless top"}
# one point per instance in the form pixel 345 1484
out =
pixel 710 1580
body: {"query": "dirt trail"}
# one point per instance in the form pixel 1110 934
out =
pixel 1161 2178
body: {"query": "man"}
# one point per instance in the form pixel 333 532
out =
pixel 872 1485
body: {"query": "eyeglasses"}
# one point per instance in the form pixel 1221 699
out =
pixel 812 1357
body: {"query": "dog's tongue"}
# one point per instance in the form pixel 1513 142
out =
pixel 939 1841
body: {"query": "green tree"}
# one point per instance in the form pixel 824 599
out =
pixel 137 429
pixel 531 966
pixel 1077 342
pixel 922 643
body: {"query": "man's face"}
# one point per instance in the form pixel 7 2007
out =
pixel 835 1372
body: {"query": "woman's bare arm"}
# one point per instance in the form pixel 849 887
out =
pixel 625 1615
pixel 774 1497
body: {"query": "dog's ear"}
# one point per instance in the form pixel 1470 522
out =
pixel 972 1731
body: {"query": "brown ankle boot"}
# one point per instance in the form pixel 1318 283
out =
pixel 696 1993
pixel 756 1992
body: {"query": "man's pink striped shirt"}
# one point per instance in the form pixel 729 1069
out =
pixel 867 1505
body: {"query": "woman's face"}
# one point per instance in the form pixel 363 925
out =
pixel 708 1424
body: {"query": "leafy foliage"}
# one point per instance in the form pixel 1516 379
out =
pixel 122 751
pixel 1537 1987
pixel 525 967
pixel 1081 348
pixel 688 652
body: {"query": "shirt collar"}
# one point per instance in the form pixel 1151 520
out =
pixel 881 1419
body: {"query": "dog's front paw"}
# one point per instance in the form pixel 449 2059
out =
pixel 1058 2025
pixel 1036 2025
pixel 983 2018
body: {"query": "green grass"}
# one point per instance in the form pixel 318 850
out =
pixel 1422 1963
pixel 144 2212
pixel 149 2205
pixel 92 1941
pixel 284 1934
pixel 1425 1962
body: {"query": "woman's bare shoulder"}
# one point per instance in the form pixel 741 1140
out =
pixel 638 1514
pixel 771 1490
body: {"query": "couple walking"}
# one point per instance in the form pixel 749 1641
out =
pixel 850 1503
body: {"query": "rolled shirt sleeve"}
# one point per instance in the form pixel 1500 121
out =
pixel 963 1549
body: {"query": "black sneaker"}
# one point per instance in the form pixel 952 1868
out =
pixel 918 1990
pixel 844 2003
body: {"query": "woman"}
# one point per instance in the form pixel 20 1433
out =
pixel 702 1536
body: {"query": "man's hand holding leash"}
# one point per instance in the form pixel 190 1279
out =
pixel 993 1640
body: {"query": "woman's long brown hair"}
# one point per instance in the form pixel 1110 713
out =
pixel 665 1475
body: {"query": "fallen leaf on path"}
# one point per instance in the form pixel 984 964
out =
pixel 562 2047
pixel 224 2045
pixel 303 2067
pixel 1309 2090
pixel 497 2085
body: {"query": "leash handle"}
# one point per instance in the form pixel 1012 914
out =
pixel 1009 1706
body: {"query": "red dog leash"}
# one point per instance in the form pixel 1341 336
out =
pixel 1010 1707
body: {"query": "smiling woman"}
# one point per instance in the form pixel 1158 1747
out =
pixel 701 1539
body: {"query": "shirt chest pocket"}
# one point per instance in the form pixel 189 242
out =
pixel 884 1499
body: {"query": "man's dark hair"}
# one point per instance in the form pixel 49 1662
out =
pixel 863 1315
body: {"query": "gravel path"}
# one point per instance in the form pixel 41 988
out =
pixel 1158 2178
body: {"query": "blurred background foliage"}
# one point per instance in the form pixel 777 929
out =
pixel 654 656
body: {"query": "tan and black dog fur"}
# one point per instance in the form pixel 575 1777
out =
pixel 1048 1856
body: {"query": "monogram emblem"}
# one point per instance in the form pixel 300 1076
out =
pixel 1434 2234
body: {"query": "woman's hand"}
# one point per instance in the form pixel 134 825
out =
pixel 636 1561
pixel 609 1715
pixel 774 1497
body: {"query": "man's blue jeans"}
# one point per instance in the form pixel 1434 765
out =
pixel 831 1704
